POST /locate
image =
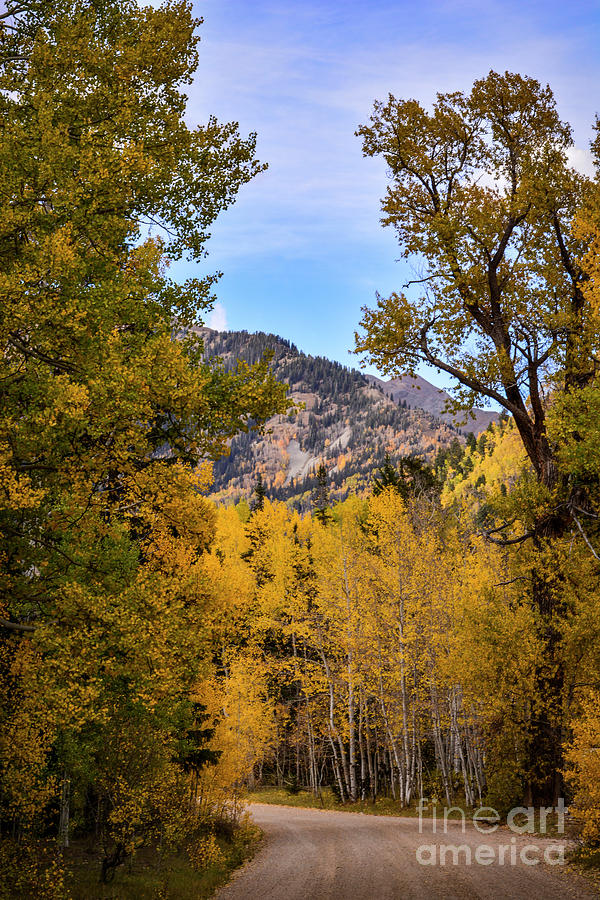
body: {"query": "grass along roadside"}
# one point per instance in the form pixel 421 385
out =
pixel 192 875
pixel 383 806
pixel 387 806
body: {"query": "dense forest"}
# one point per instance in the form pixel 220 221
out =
pixel 396 648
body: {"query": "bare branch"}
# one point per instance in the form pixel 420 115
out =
pixel 584 536
pixel 511 581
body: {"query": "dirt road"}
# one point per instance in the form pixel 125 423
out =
pixel 320 855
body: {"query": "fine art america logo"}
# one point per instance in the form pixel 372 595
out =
pixel 512 849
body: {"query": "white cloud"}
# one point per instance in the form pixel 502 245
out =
pixel 218 318
pixel 581 160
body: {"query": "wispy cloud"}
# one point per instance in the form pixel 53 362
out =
pixel 218 318
pixel 305 75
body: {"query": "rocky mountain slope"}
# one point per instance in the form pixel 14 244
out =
pixel 348 421
pixel 417 392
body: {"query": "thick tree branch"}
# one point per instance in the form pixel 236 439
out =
pixel 472 383
pixel 15 626
pixel 28 350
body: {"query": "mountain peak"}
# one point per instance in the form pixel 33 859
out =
pixel 417 392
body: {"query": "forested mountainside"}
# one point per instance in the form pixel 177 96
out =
pixel 348 422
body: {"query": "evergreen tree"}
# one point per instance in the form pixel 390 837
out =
pixel 412 478
pixel 320 499
pixel 259 495
pixel 388 478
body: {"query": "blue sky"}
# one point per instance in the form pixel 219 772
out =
pixel 302 249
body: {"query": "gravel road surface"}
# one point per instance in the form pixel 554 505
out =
pixel 314 854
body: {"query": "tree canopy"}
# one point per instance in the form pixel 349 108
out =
pixel 483 198
pixel 94 392
pixel 109 417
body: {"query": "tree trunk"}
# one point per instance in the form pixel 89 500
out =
pixel 544 745
pixel 352 791
pixel 63 824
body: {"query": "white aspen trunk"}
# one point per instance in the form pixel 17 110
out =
pixel 352 744
pixel 336 769
pixel 405 785
pixel 331 725
pixel 438 742
pixel 344 764
pixel 311 740
pixel 391 743
pixel 459 750
pixel 410 776
pixel 392 780
pixel 416 724
pixel 352 790
pixel 370 760
pixel 312 772
pixel 419 757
